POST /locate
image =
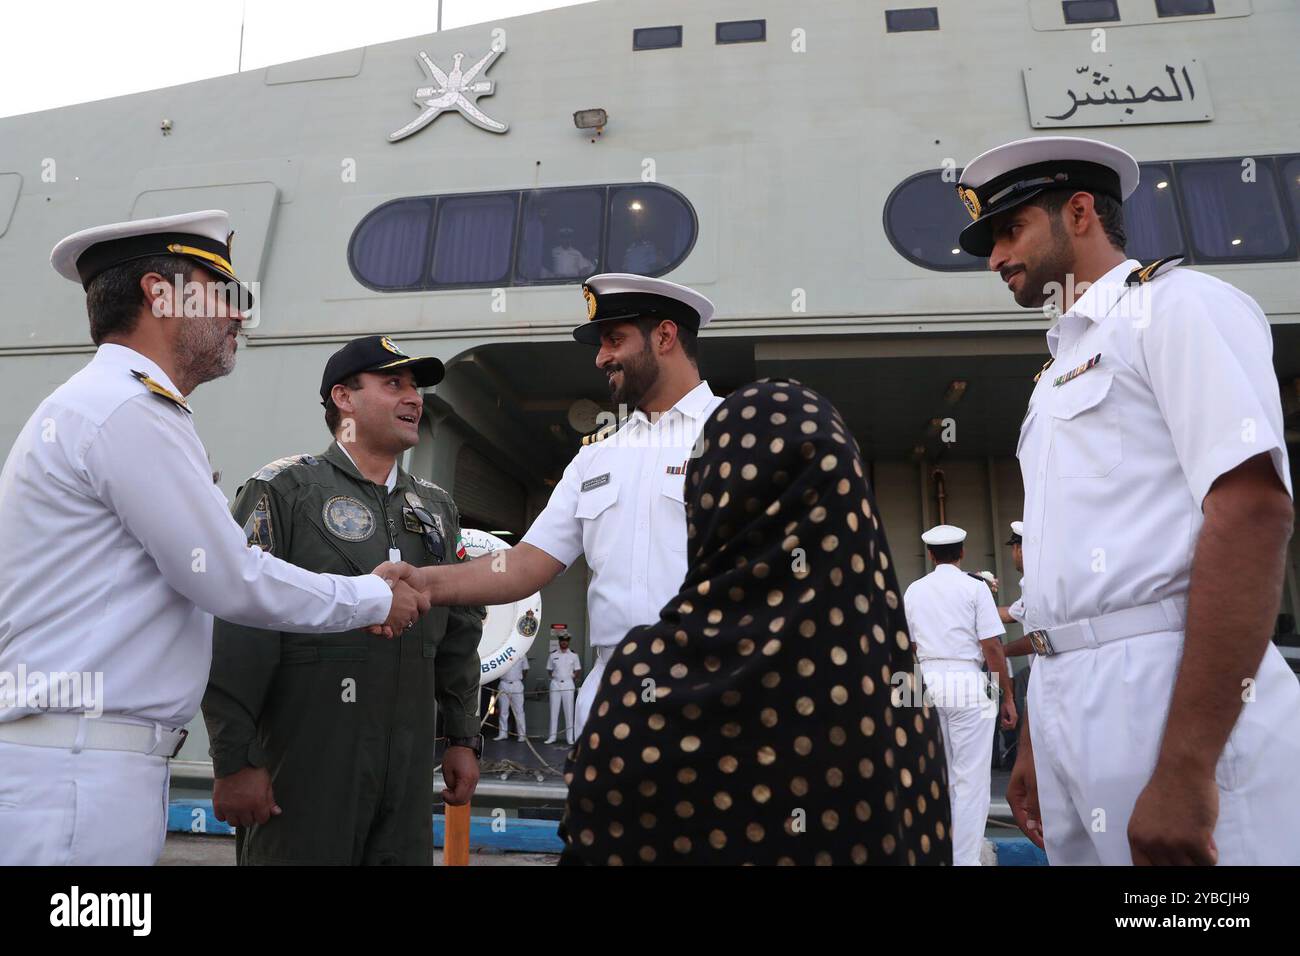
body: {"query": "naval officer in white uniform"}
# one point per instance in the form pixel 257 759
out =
pixel 119 548
pixel 621 500
pixel 510 697
pixel 954 624
pixel 563 665
pixel 1163 725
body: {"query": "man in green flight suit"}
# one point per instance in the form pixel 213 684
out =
pixel 323 745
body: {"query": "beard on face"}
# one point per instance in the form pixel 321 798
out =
pixel 204 350
pixel 640 373
pixel 1052 266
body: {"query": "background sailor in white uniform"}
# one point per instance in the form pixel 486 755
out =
pixel 621 501
pixel 954 624
pixel 510 697
pixel 119 548
pixel 563 665
pixel 1165 725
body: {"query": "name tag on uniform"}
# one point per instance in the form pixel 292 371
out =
pixel 597 482
pixel 1075 373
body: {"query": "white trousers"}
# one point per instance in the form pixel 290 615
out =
pixel 591 683
pixel 1097 718
pixel 967 719
pixel 93 808
pixel 562 698
pixel 508 700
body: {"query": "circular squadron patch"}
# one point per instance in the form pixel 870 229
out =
pixel 348 518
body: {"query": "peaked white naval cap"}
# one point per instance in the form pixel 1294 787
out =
pixel 1013 173
pixel 203 237
pixel 624 297
pixel 944 534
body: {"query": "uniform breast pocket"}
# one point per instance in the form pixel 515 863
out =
pixel 672 503
pixel 1086 433
pixel 596 511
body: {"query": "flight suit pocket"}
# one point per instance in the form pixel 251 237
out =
pixel 1086 436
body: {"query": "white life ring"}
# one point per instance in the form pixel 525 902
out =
pixel 509 629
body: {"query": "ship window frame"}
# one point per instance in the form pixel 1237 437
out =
pixel 890 20
pixel 1160 10
pixel 513 278
pixel 1284 204
pixel 1066 5
pixel 717 31
pixel 1279 165
pixel 639 32
pixel 979 265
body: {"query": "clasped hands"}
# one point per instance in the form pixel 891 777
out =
pixel 409 601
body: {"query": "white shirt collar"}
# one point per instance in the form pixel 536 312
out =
pixel 694 404
pixel 1096 302
pixel 122 357
pixel 391 481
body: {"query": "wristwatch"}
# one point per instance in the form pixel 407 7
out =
pixel 474 743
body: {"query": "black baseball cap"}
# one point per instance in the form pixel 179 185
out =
pixel 376 353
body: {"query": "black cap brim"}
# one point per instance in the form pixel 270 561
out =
pixel 977 238
pixel 428 372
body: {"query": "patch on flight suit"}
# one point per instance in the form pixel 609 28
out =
pixel 348 518
pixel 258 528
pixel 411 522
pixel 527 625
pixel 267 472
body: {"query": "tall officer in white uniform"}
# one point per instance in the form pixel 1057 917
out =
pixel 620 502
pixel 119 548
pixel 954 623
pixel 563 665
pixel 1165 726
pixel 510 697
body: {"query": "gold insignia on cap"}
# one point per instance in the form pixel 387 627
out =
pixel 391 346
pixel 591 302
pixel 212 257
pixel 971 200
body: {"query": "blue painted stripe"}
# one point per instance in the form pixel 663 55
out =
pixel 1018 851
pixel 508 833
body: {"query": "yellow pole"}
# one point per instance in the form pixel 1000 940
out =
pixel 455 843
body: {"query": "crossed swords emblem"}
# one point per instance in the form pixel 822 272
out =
pixel 453 91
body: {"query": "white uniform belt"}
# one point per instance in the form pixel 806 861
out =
pixel 77 732
pixel 1167 615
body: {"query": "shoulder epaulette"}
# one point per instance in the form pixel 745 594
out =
pixel 1046 366
pixel 601 434
pixel 162 391
pixel 267 472
pixel 427 484
pixel 1152 270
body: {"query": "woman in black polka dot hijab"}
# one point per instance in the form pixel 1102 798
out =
pixel 753 723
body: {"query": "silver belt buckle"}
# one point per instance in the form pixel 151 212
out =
pixel 1041 642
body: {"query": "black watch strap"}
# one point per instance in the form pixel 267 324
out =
pixel 474 743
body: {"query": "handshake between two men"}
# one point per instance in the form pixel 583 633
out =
pixel 509 576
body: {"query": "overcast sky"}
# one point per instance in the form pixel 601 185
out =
pixel 71 51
